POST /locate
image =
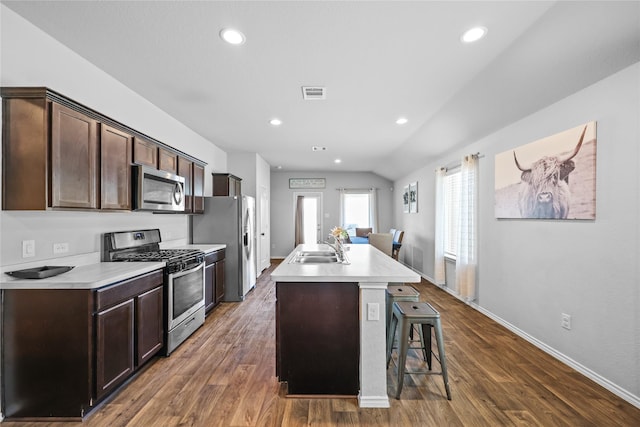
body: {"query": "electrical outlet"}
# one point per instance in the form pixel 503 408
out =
pixel 28 248
pixel 566 321
pixel 60 248
pixel 373 311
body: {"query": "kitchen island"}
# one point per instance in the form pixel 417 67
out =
pixel 366 275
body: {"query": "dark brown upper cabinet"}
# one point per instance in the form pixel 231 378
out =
pixel 50 155
pixel 185 170
pixel 59 154
pixel 74 159
pixel 225 184
pixel 198 189
pixel 167 161
pixel 115 169
pixel 145 152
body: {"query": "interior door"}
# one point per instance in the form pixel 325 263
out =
pixel 264 236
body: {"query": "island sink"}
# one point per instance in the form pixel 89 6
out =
pixel 316 257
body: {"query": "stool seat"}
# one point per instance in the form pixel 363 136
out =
pixel 416 311
pixel 401 291
pixel 405 314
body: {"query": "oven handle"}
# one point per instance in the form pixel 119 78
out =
pixel 185 272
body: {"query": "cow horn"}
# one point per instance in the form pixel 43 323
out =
pixel 518 164
pixel 575 151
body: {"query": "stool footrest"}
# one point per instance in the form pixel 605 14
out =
pixel 423 372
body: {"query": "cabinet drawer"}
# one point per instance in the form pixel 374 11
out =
pixel 109 296
pixel 214 256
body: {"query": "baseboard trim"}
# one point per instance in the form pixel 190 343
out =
pixel 592 375
pixel 373 401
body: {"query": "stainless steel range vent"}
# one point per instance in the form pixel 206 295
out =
pixel 314 92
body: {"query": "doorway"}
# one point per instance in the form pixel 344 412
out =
pixel 307 209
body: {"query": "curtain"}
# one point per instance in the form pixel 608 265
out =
pixel 299 229
pixel 439 266
pixel 467 257
pixel 373 209
pixel 342 219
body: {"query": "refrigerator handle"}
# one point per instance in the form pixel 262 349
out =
pixel 246 239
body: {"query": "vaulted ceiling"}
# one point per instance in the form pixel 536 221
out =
pixel 377 60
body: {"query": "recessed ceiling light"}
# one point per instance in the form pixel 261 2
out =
pixel 232 36
pixel 278 167
pixel 337 161
pixel 402 121
pixel 474 34
pixel 275 122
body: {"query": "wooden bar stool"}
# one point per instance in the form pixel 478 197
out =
pixel 405 314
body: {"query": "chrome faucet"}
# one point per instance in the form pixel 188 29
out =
pixel 337 247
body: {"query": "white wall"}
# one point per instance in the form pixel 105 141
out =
pixel 30 57
pixel 531 271
pixel 282 203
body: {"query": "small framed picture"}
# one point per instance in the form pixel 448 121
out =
pixel 405 199
pixel 413 197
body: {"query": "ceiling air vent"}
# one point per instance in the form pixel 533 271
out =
pixel 314 92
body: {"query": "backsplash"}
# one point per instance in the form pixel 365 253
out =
pixel 80 231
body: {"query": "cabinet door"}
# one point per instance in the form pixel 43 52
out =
pixel 74 159
pixel 167 161
pixel 149 325
pixel 235 187
pixel 114 346
pixel 145 153
pixel 185 170
pixel 209 286
pixel 318 337
pixel 219 282
pixel 198 189
pixel 115 169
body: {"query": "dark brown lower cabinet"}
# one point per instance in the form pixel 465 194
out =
pixel 149 324
pixel 213 279
pixel 64 350
pixel 114 346
pixel 318 337
pixel 47 336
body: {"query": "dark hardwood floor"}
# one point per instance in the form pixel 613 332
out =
pixel 224 375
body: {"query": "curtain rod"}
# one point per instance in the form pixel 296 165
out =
pixel 457 164
pixel 356 189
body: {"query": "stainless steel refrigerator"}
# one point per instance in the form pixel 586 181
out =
pixel 230 220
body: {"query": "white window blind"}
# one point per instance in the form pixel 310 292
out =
pixel 451 213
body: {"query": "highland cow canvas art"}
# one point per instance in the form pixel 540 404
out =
pixel 552 178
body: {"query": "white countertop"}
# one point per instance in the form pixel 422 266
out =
pixel 91 276
pixel 367 264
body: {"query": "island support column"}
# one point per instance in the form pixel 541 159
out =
pixel 373 348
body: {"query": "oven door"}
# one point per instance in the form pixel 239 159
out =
pixel 185 294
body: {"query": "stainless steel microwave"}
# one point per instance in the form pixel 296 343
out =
pixel 155 190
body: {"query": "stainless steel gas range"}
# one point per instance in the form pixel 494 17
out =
pixel 183 279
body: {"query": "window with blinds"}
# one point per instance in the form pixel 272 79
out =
pixel 451 213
